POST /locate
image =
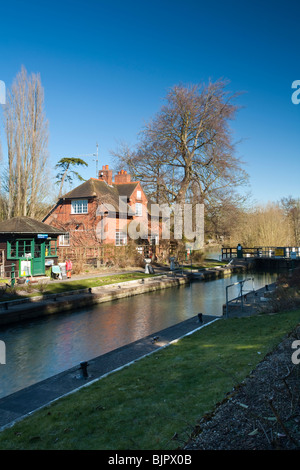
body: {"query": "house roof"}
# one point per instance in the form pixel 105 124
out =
pixel 94 187
pixel 125 189
pixel 27 225
pixel 108 194
pixel 89 188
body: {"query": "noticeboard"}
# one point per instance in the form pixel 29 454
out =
pixel 279 252
pixel 25 268
pixel 63 270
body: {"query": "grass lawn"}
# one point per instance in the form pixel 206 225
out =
pixel 142 406
pixel 204 265
pixel 58 287
pixel 54 288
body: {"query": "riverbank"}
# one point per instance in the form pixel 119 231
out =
pixel 32 307
pixel 66 297
pixel 157 402
pixel 24 402
pixel 217 272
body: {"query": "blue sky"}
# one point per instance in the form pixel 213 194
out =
pixel 106 67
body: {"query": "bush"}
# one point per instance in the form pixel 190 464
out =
pixel 128 256
pixel 41 287
pixel 197 256
pixel 287 293
pixel 29 287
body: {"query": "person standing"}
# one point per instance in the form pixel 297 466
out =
pixel 69 268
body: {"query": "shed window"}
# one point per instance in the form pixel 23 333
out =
pixel 19 249
pixel 12 249
pixel 24 247
pixel 51 248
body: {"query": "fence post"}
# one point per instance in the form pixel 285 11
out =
pixel 12 275
pixel 227 301
pixel 242 295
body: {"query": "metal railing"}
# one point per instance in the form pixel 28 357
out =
pixel 242 292
pixel 177 267
pixel 291 252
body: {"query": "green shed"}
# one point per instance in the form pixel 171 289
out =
pixel 28 245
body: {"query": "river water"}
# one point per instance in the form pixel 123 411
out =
pixel 39 349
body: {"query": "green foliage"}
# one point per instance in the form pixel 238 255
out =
pixel 66 174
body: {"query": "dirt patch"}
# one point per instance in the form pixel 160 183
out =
pixel 263 412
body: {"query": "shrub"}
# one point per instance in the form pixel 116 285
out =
pixel 287 293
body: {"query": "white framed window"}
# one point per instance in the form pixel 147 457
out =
pixel 121 238
pixel 138 209
pixel 64 240
pixel 139 195
pixel 79 206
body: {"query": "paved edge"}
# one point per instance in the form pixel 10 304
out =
pixel 254 301
pixel 25 402
pixel 31 308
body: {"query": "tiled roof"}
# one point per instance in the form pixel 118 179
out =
pixel 106 193
pixel 27 225
pixel 90 188
pixel 94 187
pixel 125 189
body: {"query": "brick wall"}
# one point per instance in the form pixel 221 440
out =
pixel 85 229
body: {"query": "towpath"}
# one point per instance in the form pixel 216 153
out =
pixel 24 402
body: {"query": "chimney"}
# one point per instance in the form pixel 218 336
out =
pixel 105 174
pixel 122 177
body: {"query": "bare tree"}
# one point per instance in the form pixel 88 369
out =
pixel 27 139
pixel 291 207
pixel 188 142
pixel 145 164
pixel 263 225
pixel 224 212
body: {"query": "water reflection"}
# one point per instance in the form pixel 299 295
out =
pixel 41 348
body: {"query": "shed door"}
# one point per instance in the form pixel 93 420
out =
pixel 38 261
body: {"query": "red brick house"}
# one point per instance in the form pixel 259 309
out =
pixel 103 211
